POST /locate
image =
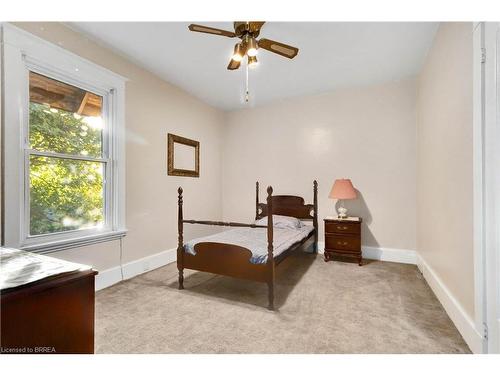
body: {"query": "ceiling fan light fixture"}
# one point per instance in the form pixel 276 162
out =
pixel 252 61
pixel 252 47
pixel 238 52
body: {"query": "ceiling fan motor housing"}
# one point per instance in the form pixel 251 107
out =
pixel 241 29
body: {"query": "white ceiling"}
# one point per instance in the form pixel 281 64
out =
pixel 332 55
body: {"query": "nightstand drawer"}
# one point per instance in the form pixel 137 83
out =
pixel 339 227
pixel 348 243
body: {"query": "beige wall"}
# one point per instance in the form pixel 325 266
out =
pixel 153 108
pixel 366 134
pixel 444 161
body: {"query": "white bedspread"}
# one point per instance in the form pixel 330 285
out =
pixel 255 240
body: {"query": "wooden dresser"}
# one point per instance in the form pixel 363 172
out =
pixel 343 238
pixel 47 304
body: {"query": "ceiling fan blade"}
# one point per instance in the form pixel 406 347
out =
pixel 233 65
pixel 255 25
pixel 279 48
pixel 210 30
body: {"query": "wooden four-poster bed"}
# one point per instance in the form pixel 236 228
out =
pixel 230 259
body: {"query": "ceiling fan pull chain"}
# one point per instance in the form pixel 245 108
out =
pixel 247 94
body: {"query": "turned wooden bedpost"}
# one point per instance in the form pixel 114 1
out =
pixel 270 255
pixel 257 200
pixel 315 218
pixel 180 245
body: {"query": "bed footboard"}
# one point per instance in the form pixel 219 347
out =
pixel 225 259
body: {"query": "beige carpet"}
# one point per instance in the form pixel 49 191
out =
pixel 323 307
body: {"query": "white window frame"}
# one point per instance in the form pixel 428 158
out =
pixel 23 52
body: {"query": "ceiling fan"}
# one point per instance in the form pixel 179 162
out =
pixel 248 33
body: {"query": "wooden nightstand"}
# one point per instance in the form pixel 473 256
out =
pixel 343 237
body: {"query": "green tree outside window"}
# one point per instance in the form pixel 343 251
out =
pixel 65 194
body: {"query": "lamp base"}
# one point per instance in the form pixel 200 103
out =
pixel 342 212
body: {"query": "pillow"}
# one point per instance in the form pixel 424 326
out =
pixel 284 222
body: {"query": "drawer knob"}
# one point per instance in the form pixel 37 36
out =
pixel 341 228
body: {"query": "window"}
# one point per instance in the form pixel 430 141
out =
pixel 64 152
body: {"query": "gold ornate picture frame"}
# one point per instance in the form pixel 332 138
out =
pixel 190 165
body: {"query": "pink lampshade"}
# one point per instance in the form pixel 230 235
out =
pixel 343 189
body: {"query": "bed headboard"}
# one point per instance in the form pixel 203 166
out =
pixel 288 205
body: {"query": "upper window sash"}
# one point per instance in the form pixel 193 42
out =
pixel 67 82
pixel 70 79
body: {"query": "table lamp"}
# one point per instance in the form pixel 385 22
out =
pixel 342 189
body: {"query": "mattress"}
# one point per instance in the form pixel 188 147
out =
pixel 255 240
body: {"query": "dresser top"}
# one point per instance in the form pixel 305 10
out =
pixel 21 267
pixel 349 219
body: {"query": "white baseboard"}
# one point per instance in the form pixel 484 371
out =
pixel 455 311
pixel 113 275
pixel 383 254
pixel 107 278
pixel 149 263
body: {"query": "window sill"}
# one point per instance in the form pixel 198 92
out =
pixel 59 245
